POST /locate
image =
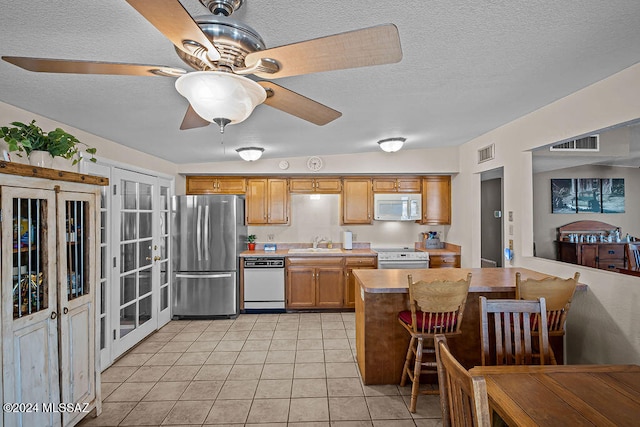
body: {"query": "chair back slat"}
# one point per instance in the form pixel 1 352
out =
pixel 513 322
pixel 463 397
pixel 633 255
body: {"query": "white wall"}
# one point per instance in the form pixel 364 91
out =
pixel 105 149
pixel 603 322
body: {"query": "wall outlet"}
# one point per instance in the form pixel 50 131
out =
pixel 510 215
pixel 270 237
pixel 354 237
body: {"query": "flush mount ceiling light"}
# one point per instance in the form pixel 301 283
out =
pixel 220 97
pixel 250 154
pixel 391 145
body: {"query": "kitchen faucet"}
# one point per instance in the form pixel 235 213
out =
pixel 317 240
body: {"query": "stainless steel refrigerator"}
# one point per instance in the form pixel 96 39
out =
pixel 209 233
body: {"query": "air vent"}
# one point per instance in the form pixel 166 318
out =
pixel 588 143
pixel 486 153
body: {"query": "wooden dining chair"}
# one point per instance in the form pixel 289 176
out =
pixel 463 397
pixel 557 294
pixel 435 308
pixel 512 322
pixel 633 255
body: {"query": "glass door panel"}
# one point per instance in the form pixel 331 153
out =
pixel 161 256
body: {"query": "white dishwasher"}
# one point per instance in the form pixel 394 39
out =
pixel 263 284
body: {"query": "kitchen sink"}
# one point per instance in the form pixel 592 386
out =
pixel 314 250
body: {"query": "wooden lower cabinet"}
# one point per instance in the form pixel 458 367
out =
pixel 315 282
pixel 444 261
pixel 605 256
pixel 350 264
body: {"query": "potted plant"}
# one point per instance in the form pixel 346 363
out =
pixel 31 139
pixel 251 242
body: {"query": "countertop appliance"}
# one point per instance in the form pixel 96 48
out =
pixel 208 235
pixel 263 284
pixel 402 258
pixel 397 207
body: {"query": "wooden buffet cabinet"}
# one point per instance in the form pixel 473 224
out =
pixel 268 197
pixel 579 250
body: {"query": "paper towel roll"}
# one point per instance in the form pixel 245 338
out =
pixel 347 240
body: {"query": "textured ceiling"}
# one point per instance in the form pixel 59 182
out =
pixel 468 67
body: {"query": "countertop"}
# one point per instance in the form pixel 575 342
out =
pixel 286 253
pixel 482 279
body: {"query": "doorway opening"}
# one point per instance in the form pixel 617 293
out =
pixel 491 218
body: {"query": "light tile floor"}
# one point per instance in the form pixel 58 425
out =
pixel 284 369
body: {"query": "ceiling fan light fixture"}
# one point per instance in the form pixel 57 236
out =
pixel 391 145
pixel 217 96
pixel 250 154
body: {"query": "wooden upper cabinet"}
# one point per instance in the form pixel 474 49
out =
pixel 436 200
pixel 356 201
pixel 267 201
pixel 215 185
pixel 396 185
pixel 315 185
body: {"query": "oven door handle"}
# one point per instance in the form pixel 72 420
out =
pixel 203 276
pixel 403 264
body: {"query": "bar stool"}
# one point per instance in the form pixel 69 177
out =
pixel 557 293
pixel 436 308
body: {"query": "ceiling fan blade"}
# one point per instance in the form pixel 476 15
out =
pixel 44 65
pixel 300 106
pixel 193 120
pixel 173 20
pixel 360 48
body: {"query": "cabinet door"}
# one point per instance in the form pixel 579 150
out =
pixel 384 185
pixel 328 185
pixel 231 185
pixel 352 263
pixel 29 304
pixel 77 276
pixel 408 185
pixel 201 185
pixel 256 201
pixel 436 200
pixel 302 185
pixel 589 255
pixel 356 201
pixel 329 287
pixel 301 287
pixel 278 209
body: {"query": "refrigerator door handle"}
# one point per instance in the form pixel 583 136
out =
pixel 206 233
pixel 203 276
pixel 199 234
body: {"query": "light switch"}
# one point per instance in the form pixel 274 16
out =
pixel 510 215
pixel 510 229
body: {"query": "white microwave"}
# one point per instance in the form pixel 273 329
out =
pixel 397 207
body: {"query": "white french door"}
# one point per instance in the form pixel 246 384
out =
pixel 139 257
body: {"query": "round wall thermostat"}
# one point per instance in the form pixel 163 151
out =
pixel 283 164
pixel 314 163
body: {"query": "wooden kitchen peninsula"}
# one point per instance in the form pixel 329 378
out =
pixel 381 342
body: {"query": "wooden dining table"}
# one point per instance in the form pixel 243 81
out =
pixel 564 395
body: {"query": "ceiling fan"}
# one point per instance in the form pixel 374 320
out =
pixel 224 51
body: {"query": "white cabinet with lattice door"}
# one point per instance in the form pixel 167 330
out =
pixel 48 300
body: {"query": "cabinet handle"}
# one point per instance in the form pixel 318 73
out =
pixel 53 315
pixel 65 310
